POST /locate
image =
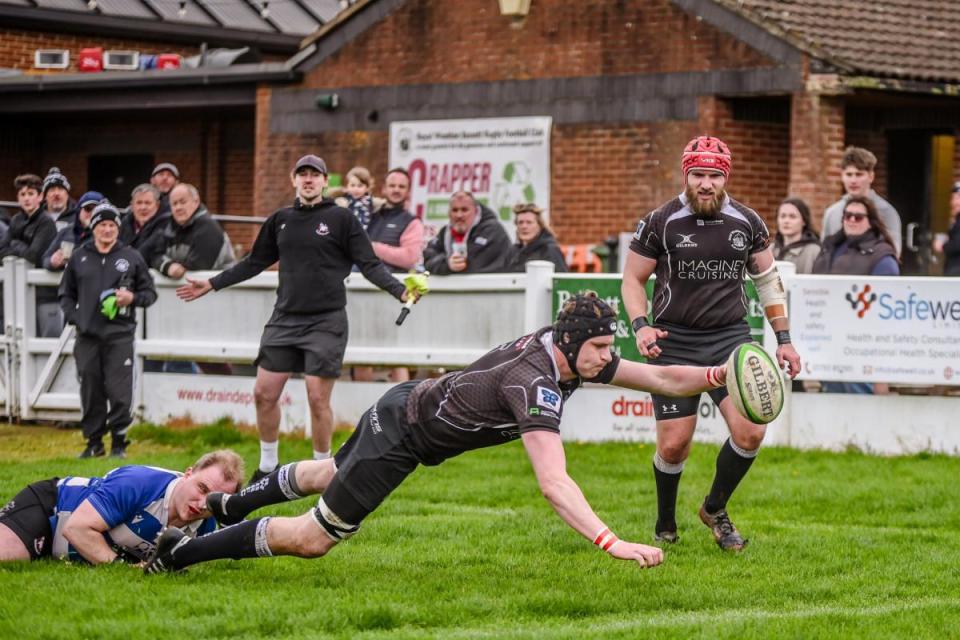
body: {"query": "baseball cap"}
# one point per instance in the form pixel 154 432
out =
pixel 311 161
pixel 90 197
pixel 166 166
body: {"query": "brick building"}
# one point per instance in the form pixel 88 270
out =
pixel 787 84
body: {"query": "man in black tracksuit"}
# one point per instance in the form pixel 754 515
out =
pixel 102 283
pixel 317 243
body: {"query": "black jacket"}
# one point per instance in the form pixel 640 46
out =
pixel 28 237
pixel 88 274
pixel 316 246
pixel 488 247
pixel 77 234
pixel 64 219
pixel 199 244
pixel 543 247
pixel 951 251
pixel 149 241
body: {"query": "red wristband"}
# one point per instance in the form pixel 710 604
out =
pixel 713 377
pixel 605 539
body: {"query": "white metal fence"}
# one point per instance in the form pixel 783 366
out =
pixel 461 318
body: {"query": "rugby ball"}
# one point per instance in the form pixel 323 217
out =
pixel 754 383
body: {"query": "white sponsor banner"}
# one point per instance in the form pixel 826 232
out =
pixel 868 329
pixel 502 161
pixel 208 398
pixel 605 413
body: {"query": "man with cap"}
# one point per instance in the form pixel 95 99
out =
pixel 516 391
pixel 699 245
pixel 56 199
pixel 102 283
pixel 317 243
pixel 165 177
pixel 949 243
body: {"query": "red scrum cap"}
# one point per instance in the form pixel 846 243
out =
pixel 705 152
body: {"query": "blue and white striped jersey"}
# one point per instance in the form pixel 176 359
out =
pixel 133 501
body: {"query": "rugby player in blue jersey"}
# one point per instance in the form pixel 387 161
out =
pixel 118 517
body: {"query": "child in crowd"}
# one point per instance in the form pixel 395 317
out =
pixel 357 197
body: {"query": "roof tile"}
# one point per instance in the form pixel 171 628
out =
pixel 910 39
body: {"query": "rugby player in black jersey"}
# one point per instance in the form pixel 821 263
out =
pixel 699 245
pixel 316 243
pixel 517 390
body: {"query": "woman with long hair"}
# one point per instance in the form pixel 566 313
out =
pixel 535 240
pixel 796 240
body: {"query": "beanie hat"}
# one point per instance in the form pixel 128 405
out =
pixel 105 212
pixel 55 179
pixel 581 318
pixel 705 152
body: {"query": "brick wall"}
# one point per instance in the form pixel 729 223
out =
pixel 17 47
pixel 760 175
pixel 817 140
pixel 468 40
pixel 603 176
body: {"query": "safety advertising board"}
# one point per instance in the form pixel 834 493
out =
pixel 863 329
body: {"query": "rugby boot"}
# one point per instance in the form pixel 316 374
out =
pixel 670 537
pixel 665 532
pixel 118 448
pixel 217 504
pixel 260 475
pixel 167 544
pixel 724 531
pixel 93 450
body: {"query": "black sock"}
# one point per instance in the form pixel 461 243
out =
pixel 732 466
pixel 245 540
pixel 279 486
pixel 667 477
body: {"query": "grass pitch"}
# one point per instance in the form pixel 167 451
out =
pixel 842 545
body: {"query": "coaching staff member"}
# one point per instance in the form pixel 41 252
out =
pixel 317 243
pixel 516 391
pixel 699 245
pixel 102 283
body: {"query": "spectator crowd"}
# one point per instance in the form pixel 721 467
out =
pixel 166 222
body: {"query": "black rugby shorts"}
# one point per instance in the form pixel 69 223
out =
pixel 312 344
pixel 28 516
pixel 375 460
pixel 700 347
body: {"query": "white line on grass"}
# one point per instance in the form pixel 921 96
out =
pixel 596 626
